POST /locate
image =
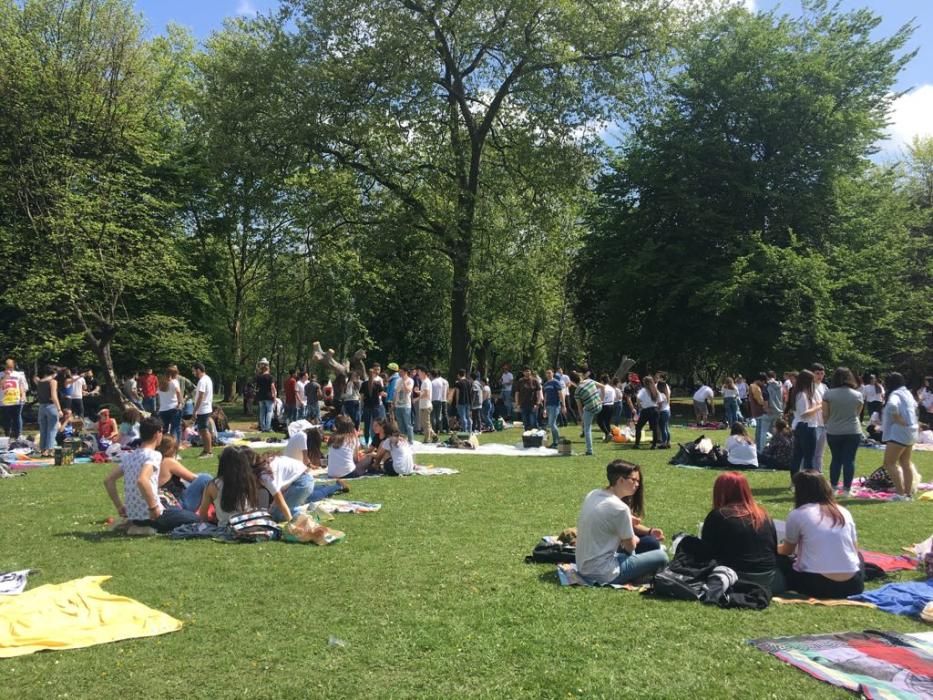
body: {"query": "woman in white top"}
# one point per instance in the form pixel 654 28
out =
pixel 899 429
pixel 170 401
pixel 604 417
pixel 351 398
pixel 873 391
pixel 394 456
pixel 344 460
pixel 664 411
pixel 740 448
pixel 805 405
pixel 649 398
pixel 236 488
pixel 730 402
pixel 823 537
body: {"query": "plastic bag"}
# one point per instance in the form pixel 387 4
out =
pixel 305 528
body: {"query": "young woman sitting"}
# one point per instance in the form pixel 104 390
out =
pixel 394 455
pixel 822 536
pixel 740 448
pixel 780 449
pixel 235 489
pixel 738 532
pixel 129 427
pixel 649 538
pixel 176 481
pixel 344 459
pixel 107 430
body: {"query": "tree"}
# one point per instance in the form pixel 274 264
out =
pixel 86 180
pixel 420 97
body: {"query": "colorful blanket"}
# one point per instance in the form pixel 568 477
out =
pixel 27 464
pixel 889 563
pixel 338 505
pixel 496 449
pixel 883 665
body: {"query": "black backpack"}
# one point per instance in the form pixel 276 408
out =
pixel 557 553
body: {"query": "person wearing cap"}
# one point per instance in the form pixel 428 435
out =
pixel 265 395
pixel 391 386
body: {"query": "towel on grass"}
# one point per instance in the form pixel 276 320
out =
pixel 496 449
pixel 13 582
pixel 876 664
pixel 569 576
pixel 338 505
pixel 795 598
pixel 73 615
pixel 908 598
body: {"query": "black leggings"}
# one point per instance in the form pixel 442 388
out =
pixel 649 416
pixel 817 585
pixel 604 419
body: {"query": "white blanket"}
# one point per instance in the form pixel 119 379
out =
pixel 493 448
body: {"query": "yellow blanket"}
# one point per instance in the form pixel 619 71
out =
pixel 72 615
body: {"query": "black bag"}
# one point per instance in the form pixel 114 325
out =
pixel 680 586
pixel 557 553
pixel 879 480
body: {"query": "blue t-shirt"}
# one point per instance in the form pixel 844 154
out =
pixel 552 390
pixel 390 390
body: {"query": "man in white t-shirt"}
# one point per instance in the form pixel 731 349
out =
pixel 402 403
pixel 76 393
pixel 703 403
pixel 606 539
pixel 300 391
pixel 203 408
pixel 505 383
pixel 439 388
pixel 819 388
pixel 426 405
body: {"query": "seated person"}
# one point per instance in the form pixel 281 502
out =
pixel 874 427
pixel 605 523
pixel 305 446
pixel 175 481
pixel 649 538
pixel 235 489
pixel 740 448
pixel 924 435
pixel 107 430
pixel 66 427
pixel 780 448
pixel 394 456
pixel 140 473
pixel 129 426
pixel 738 532
pixel 344 458
pixel 822 535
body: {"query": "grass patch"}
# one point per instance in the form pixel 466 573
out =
pixel 431 594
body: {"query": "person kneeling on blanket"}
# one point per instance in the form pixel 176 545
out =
pixel 607 546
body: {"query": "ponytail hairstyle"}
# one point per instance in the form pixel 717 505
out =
pixel 652 388
pixel 236 469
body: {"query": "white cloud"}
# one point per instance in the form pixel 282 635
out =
pixel 245 8
pixel 910 116
pixel 750 5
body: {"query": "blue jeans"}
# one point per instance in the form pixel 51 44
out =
pixel 732 410
pixel 48 426
pixel 842 450
pixel 664 427
pixel 191 498
pixel 529 417
pixel 352 410
pixel 291 413
pixel 170 519
pixel 507 404
pixel 463 412
pixel 762 428
pixel 171 423
pixel 296 494
pixel 804 445
pixel 314 412
pixel 487 413
pixel 403 419
pixel 552 413
pixel 818 447
pixel 149 404
pixel 588 418
pixel 634 566
pixel 265 416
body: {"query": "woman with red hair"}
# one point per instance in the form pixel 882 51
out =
pixel 738 532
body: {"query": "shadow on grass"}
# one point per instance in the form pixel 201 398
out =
pixel 100 536
pixel 549 575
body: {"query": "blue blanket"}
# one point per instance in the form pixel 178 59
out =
pixel 900 598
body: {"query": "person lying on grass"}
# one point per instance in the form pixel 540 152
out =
pixel 738 532
pixel 606 540
pixel 822 535
pixel 140 473
pixel 394 456
pixel 175 480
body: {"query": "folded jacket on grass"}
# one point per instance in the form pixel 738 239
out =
pixel 72 615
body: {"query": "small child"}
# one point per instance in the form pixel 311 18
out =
pixel 740 448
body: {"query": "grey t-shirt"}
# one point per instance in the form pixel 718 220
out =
pixel 844 407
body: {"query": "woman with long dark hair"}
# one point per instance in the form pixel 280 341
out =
pixel 899 428
pixel 805 404
pixel 738 532
pixel 842 406
pixel 822 535
pixel 648 400
pixel 235 490
pixel 170 402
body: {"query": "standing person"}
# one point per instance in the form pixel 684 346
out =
pixel 291 396
pixel 606 539
pixel 873 393
pixel 505 383
pixel 730 402
pixel 426 406
pixel 773 394
pixel 170 400
pixel 899 428
pixel 528 389
pixel 822 535
pixel 757 409
pixel 568 388
pixel 664 411
pixel 139 470
pixel 131 390
pixel 249 397
pixel 391 387
pixel 50 409
pixel 617 406
pixel 819 388
pixel 76 393
pixel 203 408
pixel 604 419
pixel 188 391
pixel 462 400
pixel 402 404
pixel 703 403
pixel 12 397
pixel 842 406
pixel 149 387
pixel 350 405
pixel 742 387
pixel 439 388
pixel 589 399
pixel 805 407
pixel 300 394
pixel 554 404
pixel 371 398
pixel 313 396
pixel 648 400
pixel 488 410
pixel 265 395
pixel 23 391
pixel 477 402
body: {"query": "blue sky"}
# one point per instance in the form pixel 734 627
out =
pixel 912 114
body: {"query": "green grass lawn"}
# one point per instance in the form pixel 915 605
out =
pixel 431 595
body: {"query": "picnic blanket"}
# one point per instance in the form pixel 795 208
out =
pixel 488 449
pixel 888 563
pixel 14 582
pixel 797 599
pixel 880 665
pixel 74 614
pixel 338 505
pixel 22 465
pixel 906 598
pixel 569 576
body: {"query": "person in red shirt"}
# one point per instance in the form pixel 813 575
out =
pixel 149 386
pixel 291 396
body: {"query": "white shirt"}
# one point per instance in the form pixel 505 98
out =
pixel 78 385
pixel 926 399
pixel 206 387
pixel 439 387
pixel 703 393
pixel 664 403
pixel 818 392
pixel 403 460
pixel 132 463
pixel 645 400
pixel 802 404
pixel 168 400
pixel 609 395
pixel 427 394
pixel 604 521
pixel 403 392
pixel 734 393
pixel 342 460
pixel 739 451
pixel 822 548
pixel 296 446
pixel 742 388
pixel 871 393
pixel 507 380
pixel 284 471
pixel 300 388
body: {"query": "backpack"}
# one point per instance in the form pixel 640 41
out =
pixel 879 480
pixel 552 553
pixel 254 526
pixel 669 583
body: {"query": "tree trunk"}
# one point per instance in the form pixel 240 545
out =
pixel 110 392
pixel 459 314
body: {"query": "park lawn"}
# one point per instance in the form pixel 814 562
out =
pixel 430 596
